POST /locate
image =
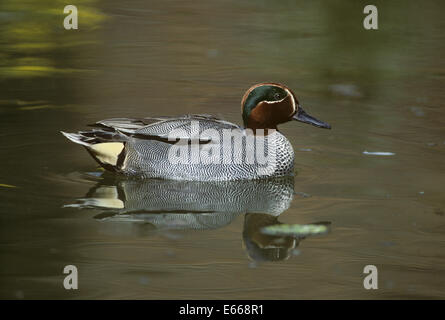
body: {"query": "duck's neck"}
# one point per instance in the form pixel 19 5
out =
pixel 260 127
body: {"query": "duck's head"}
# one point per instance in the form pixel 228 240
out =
pixel 265 105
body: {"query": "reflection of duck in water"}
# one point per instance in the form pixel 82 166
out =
pixel 187 204
pixel 265 247
pixel 169 204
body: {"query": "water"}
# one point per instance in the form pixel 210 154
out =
pixel 382 91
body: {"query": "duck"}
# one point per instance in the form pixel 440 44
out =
pixel 201 147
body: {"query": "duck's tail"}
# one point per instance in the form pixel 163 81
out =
pixel 106 147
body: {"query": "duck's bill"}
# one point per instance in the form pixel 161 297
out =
pixel 302 116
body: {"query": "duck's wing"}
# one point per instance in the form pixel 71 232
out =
pixel 186 127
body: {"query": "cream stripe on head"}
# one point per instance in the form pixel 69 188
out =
pixel 277 101
pixel 292 99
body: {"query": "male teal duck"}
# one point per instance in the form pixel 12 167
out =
pixel 201 147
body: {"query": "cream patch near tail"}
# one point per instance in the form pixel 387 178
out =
pixel 107 152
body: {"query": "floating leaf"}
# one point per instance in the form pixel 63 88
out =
pixel 378 153
pixel 299 230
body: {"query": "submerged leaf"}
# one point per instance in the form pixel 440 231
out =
pixel 46 106
pixel 7 185
pixel 294 229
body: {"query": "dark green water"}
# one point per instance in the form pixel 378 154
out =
pixel 382 91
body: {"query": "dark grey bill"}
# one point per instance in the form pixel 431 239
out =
pixel 302 116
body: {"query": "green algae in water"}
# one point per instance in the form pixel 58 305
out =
pixel 295 230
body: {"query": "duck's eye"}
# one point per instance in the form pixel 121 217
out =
pixel 277 96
